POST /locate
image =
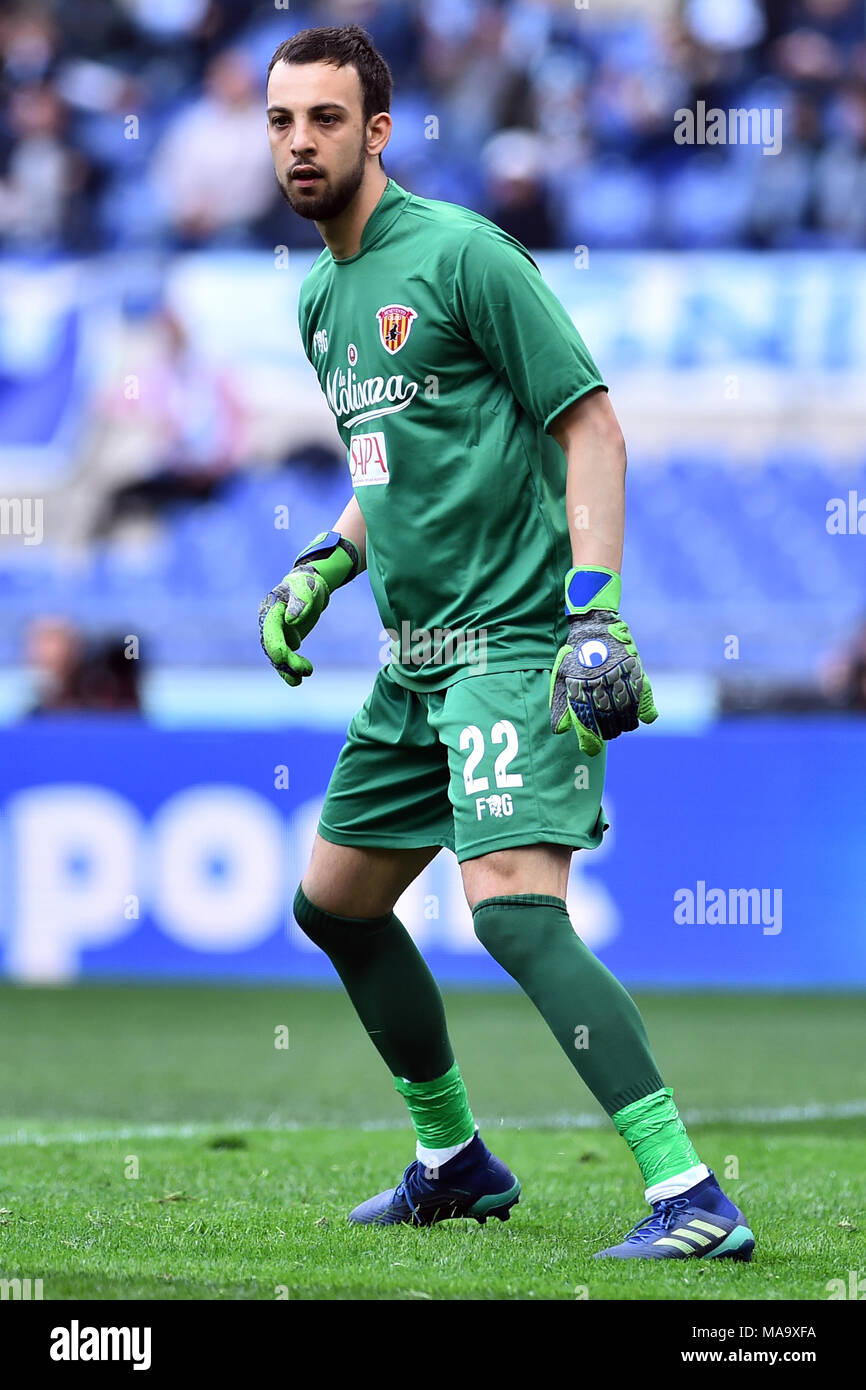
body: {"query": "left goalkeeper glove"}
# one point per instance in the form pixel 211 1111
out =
pixel 292 608
pixel 598 686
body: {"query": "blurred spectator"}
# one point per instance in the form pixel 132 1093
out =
pixel 44 176
pixel 462 58
pixel 514 161
pixel 29 45
pixel 783 204
pixel 213 171
pixel 166 19
pixel 734 25
pixel 840 172
pixel 71 674
pixel 53 652
pixel 844 679
pixel 194 416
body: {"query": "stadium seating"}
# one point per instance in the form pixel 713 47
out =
pixel 713 549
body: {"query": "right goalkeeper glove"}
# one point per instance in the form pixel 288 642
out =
pixel 292 609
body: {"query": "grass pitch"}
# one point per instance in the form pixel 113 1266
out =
pixel 159 1143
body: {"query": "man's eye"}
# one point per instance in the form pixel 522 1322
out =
pixel 327 120
pixel 278 122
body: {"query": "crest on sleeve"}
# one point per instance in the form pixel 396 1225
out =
pixel 395 323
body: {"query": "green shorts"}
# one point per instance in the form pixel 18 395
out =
pixel 474 767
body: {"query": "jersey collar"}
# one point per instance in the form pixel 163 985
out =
pixel 384 214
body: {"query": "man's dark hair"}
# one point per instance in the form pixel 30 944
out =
pixel 343 45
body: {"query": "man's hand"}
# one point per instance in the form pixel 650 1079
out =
pixel 598 686
pixel 286 615
pixel 291 610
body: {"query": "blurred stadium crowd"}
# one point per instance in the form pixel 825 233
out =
pixel 132 123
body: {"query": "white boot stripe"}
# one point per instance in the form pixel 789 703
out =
pixel 692 1235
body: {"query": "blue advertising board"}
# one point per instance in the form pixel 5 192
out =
pixel 734 858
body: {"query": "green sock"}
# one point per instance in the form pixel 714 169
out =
pixel 595 1021
pixel 591 1015
pixel 656 1136
pixel 387 980
pixel 439 1109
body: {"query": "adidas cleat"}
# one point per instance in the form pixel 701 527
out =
pixel 701 1223
pixel 474 1183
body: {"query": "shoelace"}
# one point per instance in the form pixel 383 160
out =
pixel 660 1219
pixel 402 1190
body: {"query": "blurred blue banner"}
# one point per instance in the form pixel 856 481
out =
pixel 735 858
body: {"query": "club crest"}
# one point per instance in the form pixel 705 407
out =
pixel 395 323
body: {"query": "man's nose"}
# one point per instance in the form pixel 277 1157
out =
pixel 302 140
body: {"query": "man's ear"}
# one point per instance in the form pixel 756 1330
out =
pixel 378 132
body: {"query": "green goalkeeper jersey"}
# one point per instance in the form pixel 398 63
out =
pixel 445 357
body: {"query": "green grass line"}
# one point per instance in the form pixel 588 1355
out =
pixel 785 1115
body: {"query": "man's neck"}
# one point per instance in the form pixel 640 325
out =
pixel 342 235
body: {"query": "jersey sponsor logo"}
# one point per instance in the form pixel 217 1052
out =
pixel 368 459
pixel 320 341
pixel 349 397
pixel 395 325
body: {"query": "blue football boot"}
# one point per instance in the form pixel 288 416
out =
pixel 700 1224
pixel 473 1183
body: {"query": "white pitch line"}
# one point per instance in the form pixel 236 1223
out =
pixel 779 1115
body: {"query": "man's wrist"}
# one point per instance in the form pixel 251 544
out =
pixel 589 587
pixel 334 557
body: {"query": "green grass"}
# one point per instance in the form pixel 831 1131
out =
pixel 249 1156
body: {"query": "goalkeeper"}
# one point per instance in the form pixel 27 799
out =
pixel 488 471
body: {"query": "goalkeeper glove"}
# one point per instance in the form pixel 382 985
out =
pixel 598 686
pixel 292 609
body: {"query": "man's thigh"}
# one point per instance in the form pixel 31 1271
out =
pixel 512 782
pixel 352 882
pixel 524 869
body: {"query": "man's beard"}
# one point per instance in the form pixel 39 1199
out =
pixel 322 207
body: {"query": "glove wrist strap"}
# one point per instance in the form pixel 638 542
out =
pixel 332 556
pixel 591 586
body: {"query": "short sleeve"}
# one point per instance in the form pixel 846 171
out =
pixel 520 326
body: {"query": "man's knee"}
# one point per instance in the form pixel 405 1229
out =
pixel 360 883
pixel 306 913
pixel 330 930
